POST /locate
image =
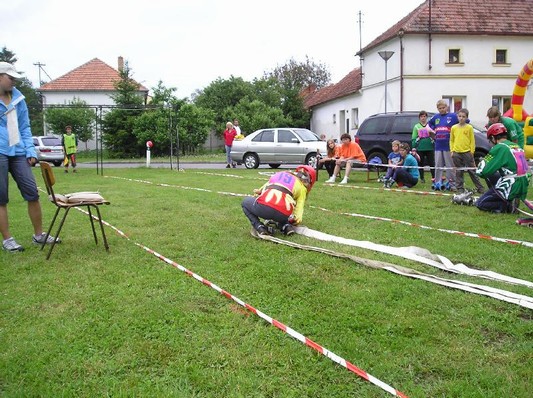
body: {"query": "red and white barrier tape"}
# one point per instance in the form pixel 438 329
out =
pixel 449 231
pixel 291 332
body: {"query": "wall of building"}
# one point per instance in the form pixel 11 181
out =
pixel 476 78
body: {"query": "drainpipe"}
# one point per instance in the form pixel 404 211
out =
pixel 400 35
pixel 429 35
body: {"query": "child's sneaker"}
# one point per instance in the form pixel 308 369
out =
pixel 11 245
pixel 388 183
pixel 344 180
pixel 39 239
pixel 331 180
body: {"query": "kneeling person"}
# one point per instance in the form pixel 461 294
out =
pixel 407 173
pixel 281 199
pixel 506 171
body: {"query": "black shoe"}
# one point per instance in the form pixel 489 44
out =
pixel 287 229
pixel 228 166
pixel 262 230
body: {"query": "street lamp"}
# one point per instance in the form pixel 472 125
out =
pixel 385 55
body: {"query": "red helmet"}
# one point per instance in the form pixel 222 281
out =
pixel 496 129
pixel 307 174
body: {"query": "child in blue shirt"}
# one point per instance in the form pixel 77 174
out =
pixel 395 159
pixel 408 173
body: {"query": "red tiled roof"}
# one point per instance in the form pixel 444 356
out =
pixel 94 75
pixel 448 17
pixel 350 84
pixel 465 17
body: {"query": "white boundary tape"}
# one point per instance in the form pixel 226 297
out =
pixel 415 254
pixel 450 231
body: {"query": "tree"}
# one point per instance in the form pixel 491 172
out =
pixel 256 115
pixel 194 125
pixel 222 95
pixel 78 115
pixel 33 100
pixel 118 124
pixel 299 75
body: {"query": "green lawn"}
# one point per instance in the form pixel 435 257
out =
pixel 88 323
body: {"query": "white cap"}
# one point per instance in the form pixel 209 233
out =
pixel 8 69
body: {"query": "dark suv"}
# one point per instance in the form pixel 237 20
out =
pixel 377 132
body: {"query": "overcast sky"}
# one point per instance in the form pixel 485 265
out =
pixel 190 43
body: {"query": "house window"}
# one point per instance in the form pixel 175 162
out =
pixel 355 118
pixel 453 56
pixel 455 103
pixel 503 103
pixel 501 56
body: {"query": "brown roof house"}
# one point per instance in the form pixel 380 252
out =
pixel 92 82
pixel 467 52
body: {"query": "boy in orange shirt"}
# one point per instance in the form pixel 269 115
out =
pixel 346 154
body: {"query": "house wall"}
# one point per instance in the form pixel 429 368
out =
pixel 476 78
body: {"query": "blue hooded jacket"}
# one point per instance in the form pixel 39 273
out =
pixel 25 146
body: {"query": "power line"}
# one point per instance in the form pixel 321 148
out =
pixel 40 65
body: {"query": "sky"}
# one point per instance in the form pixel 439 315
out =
pixel 187 44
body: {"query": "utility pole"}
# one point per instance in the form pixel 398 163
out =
pixel 40 65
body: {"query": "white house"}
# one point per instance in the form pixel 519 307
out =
pixel 92 82
pixel 468 52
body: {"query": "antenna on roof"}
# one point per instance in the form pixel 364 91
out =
pixel 360 22
pixel 40 65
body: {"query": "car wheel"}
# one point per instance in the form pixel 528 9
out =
pixel 274 165
pixel 251 161
pixel 382 157
pixel 58 163
pixel 478 155
pixel 311 160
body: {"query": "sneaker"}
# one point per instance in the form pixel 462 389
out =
pixel 422 181
pixel 39 240
pixel 11 245
pixel 228 166
pixel 234 165
pixel 262 230
pixel 287 229
pixel 330 180
pixel 344 181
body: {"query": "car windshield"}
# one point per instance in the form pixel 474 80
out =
pixel 306 135
pixel 51 141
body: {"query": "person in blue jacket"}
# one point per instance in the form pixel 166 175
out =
pixel 17 156
pixel 441 123
pixel 406 174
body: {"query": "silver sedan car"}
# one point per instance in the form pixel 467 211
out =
pixel 49 149
pixel 276 146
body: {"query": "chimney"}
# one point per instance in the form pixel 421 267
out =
pixel 120 63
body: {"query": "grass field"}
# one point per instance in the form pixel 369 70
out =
pixel 88 323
